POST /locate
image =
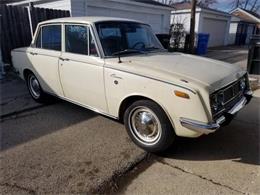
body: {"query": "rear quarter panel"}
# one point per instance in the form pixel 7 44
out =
pixel 21 61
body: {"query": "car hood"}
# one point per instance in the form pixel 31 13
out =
pixel 176 67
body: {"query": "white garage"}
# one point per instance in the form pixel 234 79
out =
pixel 153 17
pixel 213 22
pixel 216 29
pixel 151 12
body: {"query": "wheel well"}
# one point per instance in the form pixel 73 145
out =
pixel 127 102
pixel 26 72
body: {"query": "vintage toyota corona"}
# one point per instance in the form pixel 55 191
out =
pixel 117 67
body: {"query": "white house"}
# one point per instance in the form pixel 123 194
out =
pixel 148 11
pixel 213 22
pixel 243 25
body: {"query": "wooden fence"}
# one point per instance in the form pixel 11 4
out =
pixel 15 26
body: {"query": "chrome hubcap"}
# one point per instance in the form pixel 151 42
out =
pixel 145 125
pixel 34 86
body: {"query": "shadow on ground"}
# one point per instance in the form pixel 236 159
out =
pixel 39 122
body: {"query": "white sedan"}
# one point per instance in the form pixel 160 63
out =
pixel 117 67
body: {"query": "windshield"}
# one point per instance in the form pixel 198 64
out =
pixel 116 37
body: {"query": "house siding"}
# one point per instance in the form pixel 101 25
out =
pixel 78 8
pixel 59 4
pixel 157 17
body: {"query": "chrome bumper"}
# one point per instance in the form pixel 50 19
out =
pixel 207 128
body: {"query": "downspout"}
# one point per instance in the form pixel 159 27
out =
pixel 30 17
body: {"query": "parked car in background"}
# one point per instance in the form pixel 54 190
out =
pixel 117 67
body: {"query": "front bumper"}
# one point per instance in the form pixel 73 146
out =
pixel 206 128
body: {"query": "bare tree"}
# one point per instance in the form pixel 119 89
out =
pixel 251 5
pixel 246 3
pixel 168 2
pixel 255 7
pixel 204 3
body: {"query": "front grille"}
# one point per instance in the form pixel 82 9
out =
pixel 230 92
pixel 228 106
pixel 228 97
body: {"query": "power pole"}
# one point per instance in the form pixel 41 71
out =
pixel 2 70
pixel 192 25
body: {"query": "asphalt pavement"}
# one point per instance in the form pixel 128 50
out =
pixel 226 162
pixel 63 148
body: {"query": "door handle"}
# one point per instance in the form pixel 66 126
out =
pixel 64 59
pixel 115 76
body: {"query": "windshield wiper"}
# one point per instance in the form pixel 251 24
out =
pixel 126 51
pixel 152 48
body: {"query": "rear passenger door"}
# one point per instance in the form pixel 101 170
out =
pixel 81 68
pixel 44 55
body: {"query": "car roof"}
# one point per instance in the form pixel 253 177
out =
pixel 87 20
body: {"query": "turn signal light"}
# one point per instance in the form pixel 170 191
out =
pixel 181 94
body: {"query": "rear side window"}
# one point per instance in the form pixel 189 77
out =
pixel 50 37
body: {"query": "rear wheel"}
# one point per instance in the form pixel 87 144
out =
pixel 148 126
pixel 35 89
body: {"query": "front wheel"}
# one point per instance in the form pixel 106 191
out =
pixel 148 126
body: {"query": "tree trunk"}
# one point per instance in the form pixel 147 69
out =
pixel 192 25
pixel 246 3
pixel 253 6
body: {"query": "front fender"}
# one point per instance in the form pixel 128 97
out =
pixel 130 85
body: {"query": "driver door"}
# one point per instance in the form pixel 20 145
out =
pixel 81 68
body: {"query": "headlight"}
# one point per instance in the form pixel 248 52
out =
pixel 214 102
pixel 217 102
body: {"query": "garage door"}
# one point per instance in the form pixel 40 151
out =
pixel 216 29
pixel 155 20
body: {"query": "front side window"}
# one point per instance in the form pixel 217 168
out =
pixel 76 39
pixel 126 36
pixel 51 37
pixel 92 46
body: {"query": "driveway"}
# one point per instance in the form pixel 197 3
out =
pixel 232 54
pixel 226 162
pixel 63 148
pixel 59 148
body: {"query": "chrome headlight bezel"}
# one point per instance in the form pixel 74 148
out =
pixel 216 102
